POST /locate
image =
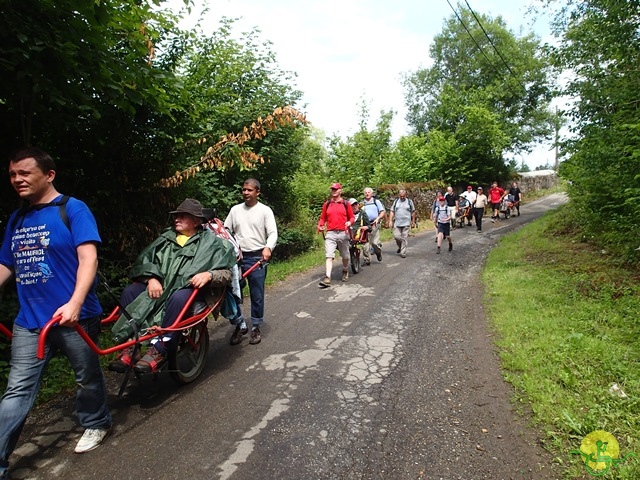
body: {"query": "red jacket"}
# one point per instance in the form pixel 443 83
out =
pixel 335 215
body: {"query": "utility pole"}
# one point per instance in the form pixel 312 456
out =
pixel 557 139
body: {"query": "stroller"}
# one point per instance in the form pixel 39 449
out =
pixel 508 205
pixel 464 212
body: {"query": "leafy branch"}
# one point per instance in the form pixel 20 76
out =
pixel 229 148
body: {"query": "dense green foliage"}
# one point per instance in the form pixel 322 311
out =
pixel 600 46
pixel 487 93
pixel 122 97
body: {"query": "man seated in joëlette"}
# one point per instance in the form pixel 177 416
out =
pixel 182 258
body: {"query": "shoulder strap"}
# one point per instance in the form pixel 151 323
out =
pixel 62 211
pixel 344 202
pixel 375 201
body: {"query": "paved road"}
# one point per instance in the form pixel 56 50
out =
pixel 389 376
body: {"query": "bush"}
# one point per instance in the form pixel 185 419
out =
pixel 293 241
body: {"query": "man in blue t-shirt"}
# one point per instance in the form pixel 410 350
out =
pixel 50 247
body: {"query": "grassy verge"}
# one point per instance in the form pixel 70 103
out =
pixel 565 318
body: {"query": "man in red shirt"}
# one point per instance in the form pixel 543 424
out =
pixel 495 197
pixel 336 218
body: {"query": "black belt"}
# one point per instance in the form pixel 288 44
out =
pixel 255 253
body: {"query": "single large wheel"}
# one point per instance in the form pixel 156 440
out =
pixel 355 259
pixel 188 361
pixel 507 213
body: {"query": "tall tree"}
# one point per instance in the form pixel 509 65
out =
pixel 122 97
pixel 600 46
pixel 356 159
pixel 479 65
pixel 67 59
pixel 229 83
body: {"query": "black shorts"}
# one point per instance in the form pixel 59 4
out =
pixel 444 228
pixel 496 206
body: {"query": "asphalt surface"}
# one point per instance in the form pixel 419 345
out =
pixel 391 375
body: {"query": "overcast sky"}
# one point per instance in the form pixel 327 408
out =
pixel 347 51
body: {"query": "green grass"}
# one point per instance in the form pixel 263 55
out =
pixel 565 317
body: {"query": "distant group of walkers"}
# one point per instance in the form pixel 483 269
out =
pixel 447 207
pixel 340 219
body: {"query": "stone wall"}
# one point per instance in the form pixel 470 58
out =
pixel 538 180
pixel 422 194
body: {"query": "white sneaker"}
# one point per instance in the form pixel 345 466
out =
pixel 91 438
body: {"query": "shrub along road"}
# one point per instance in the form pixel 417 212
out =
pixel 391 375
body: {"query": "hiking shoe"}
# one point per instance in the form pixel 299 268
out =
pixel 238 335
pixel 379 256
pixel 326 282
pixel 345 275
pixel 450 246
pixel 152 361
pixel 438 250
pixel 124 361
pixel 493 220
pixel 255 336
pixel 367 263
pixel 91 439
pixel 398 251
pixel 402 255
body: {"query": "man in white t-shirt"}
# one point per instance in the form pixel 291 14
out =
pixel 254 227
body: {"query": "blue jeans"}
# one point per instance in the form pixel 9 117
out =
pixel 26 375
pixel 256 281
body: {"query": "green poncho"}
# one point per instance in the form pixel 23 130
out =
pixel 174 266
